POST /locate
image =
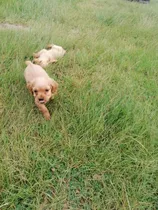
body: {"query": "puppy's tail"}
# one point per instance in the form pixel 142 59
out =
pixel 28 62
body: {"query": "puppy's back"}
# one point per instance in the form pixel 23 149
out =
pixel 34 71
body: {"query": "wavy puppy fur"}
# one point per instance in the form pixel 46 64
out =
pixel 41 86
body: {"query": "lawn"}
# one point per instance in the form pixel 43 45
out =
pixel 99 151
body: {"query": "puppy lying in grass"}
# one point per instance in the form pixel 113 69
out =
pixel 49 55
pixel 40 85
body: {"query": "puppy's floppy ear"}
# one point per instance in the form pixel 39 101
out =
pixel 54 85
pixel 29 87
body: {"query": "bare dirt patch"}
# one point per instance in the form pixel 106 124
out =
pixel 13 26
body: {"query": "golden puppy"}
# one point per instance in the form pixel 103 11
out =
pixel 40 85
pixel 49 55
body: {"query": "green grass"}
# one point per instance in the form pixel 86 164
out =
pixel 102 139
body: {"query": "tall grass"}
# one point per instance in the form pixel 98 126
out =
pixel 100 148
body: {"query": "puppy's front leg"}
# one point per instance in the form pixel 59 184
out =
pixel 44 110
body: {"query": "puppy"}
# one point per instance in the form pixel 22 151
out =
pixel 40 85
pixel 49 55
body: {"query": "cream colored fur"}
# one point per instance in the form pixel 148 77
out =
pixel 49 55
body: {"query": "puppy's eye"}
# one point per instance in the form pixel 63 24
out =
pixel 35 91
pixel 46 90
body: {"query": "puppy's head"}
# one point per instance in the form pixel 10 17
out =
pixel 42 89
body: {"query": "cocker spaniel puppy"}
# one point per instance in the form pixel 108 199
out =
pixel 40 85
pixel 49 55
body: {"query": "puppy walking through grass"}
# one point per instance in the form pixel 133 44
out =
pixel 41 86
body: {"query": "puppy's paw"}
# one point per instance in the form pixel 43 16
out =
pixel 47 116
